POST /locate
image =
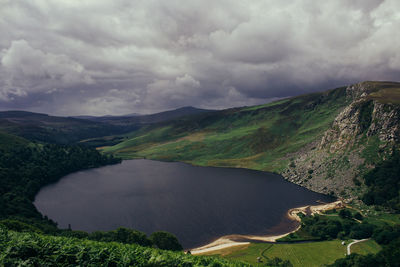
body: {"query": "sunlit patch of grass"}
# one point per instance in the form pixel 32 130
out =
pixel 382 219
pixel 366 247
pixel 299 254
pixel 271 104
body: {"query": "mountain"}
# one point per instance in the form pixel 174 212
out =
pixel 323 141
pixel 148 119
pixel 45 128
pixel 363 134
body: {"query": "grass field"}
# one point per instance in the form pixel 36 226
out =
pixel 300 254
pixel 382 219
pixel 366 247
pixel 317 253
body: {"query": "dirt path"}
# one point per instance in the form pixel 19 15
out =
pixel 354 242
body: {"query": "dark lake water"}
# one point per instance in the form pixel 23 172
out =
pixel 197 204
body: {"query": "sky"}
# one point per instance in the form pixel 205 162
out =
pixel 97 57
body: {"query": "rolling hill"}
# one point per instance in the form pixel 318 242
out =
pixel 150 118
pixel 322 141
pixel 64 130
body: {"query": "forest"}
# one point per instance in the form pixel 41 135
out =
pixel 26 167
pixel 30 239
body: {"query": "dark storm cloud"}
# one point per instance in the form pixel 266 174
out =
pixel 115 57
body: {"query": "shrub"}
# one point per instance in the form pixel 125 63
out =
pixel 166 241
pixel 345 214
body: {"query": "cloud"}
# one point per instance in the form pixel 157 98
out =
pixel 66 57
pixel 114 101
pixel 172 93
pixel 27 70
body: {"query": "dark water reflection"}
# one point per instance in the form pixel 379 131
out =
pixel 197 204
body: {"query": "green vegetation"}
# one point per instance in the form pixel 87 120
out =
pixel 30 249
pixel 371 152
pixel 384 230
pixel 121 235
pixel 384 184
pixel 308 254
pixel 165 240
pixel 366 247
pixel 26 167
pixel 344 224
pixel 385 92
pixel 365 117
pixel 331 227
pixel 383 219
pixel 8 141
pixel 299 235
pixel 256 137
pixel 298 254
pixel 388 256
pixel 60 130
pixel 333 224
pixel 259 137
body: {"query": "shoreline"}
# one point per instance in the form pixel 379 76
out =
pixel 244 240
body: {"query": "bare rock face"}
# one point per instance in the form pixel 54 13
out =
pixel 385 122
pixel 359 90
pixel 332 163
pixel 344 129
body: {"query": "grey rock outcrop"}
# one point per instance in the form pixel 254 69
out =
pixel 332 164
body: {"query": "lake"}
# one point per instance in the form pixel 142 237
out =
pixel 197 204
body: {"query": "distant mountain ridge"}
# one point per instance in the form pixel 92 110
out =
pixel 147 118
pixel 56 129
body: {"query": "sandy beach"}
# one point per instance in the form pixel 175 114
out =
pixel 236 240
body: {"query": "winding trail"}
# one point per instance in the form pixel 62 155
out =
pixel 354 242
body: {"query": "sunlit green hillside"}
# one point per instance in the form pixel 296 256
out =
pixel 253 137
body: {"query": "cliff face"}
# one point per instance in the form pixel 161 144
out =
pixel 364 133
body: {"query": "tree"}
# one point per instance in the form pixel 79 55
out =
pixel 363 230
pixel 358 216
pixel 345 213
pixel 129 236
pixel 165 240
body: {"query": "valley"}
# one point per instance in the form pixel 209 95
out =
pixel 342 142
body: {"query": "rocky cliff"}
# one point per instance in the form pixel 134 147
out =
pixel 364 133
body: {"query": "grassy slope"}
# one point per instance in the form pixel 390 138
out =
pixel 303 254
pixel 385 92
pixel 28 249
pixel 252 137
pixel 8 141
